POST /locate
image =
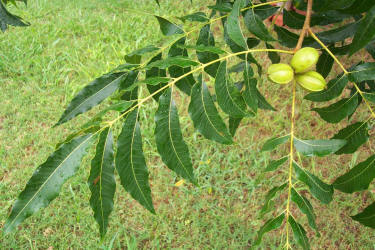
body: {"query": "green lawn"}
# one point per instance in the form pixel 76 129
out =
pixel 71 42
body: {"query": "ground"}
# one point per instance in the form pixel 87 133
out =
pixel 70 43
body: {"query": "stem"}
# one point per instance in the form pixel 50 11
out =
pixel 290 184
pixel 306 25
pixel 343 69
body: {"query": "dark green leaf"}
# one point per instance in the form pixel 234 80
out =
pixel 92 95
pixel 318 147
pixel 324 5
pixel 47 180
pixel 155 80
pixel 273 56
pixel 136 56
pixel 131 163
pixel 355 134
pixel 262 102
pixel 195 17
pixel 250 92
pixel 369 96
pixel 233 24
pixel 272 143
pixel 227 95
pixel 169 141
pixel 371 49
pixel 265 11
pixel 305 206
pixel 334 89
pixel 289 39
pixel 270 195
pixel 207 39
pixel 180 61
pixel 270 225
pixel 102 180
pixel 7 18
pixel 318 188
pixel 222 7
pixel 168 28
pixel 186 83
pixel 358 178
pixel 339 110
pixel 367 216
pixel 155 72
pixel 324 64
pixel 256 26
pixel 273 165
pixel 299 233
pixel 205 116
pixel 359 6
pixel 365 31
pixel 338 34
pixel 202 48
pixel 233 124
pixel 363 72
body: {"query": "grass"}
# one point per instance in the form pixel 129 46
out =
pixel 71 42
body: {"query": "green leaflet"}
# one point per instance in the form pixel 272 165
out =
pixel 338 34
pixel 367 216
pixel 369 97
pixel 358 178
pixel 363 72
pixel 262 102
pixel 222 7
pixel 336 112
pixel 6 18
pixel 256 26
pixel 131 163
pixel 234 123
pixel 273 165
pixel 155 80
pixel 136 56
pixel 250 92
pixel 318 188
pixel 180 61
pixel 365 31
pixel 272 143
pixel 318 147
pixel 273 56
pixel 355 134
pixel 102 180
pixel 265 11
pixel 270 195
pixel 195 17
pixel 169 140
pixel 47 180
pixel 205 116
pixel 186 83
pixel 168 28
pixel 227 95
pixel 203 48
pixel 92 95
pixel 359 6
pixel 334 89
pixel 289 39
pixel 299 233
pixel 233 24
pixel 155 72
pixel 270 225
pixel 305 206
pixel 324 64
pixel 206 38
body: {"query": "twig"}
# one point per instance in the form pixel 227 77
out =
pixel 306 25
